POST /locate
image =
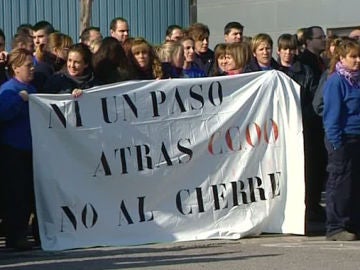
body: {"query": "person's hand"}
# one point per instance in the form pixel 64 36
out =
pixel 77 92
pixel 24 95
pixel 3 57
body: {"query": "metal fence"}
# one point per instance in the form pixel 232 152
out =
pixel 147 18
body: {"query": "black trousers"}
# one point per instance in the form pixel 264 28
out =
pixel 343 187
pixel 2 179
pixel 315 162
pixel 18 191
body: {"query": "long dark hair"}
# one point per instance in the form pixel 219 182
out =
pixel 110 63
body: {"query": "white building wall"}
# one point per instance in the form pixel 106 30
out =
pixel 276 16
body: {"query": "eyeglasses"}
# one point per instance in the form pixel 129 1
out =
pixel 320 37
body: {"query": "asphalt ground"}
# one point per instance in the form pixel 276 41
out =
pixel 262 252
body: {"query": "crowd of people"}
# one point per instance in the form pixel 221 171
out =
pixel 43 60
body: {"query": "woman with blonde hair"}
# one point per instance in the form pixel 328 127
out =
pixel 55 51
pixel 261 48
pixel 51 57
pixel 171 55
pixel 165 50
pixel 237 56
pixel 146 64
pixel 342 140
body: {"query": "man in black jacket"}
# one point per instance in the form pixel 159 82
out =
pixel 315 152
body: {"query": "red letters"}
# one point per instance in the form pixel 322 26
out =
pixel 235 139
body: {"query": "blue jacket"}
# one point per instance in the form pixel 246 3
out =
pixel 341 109
pixel 193 72
pixel 14 115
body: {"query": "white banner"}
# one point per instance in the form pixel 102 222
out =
pixel 169 160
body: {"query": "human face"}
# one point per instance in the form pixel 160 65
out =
pixel 230 63
pixel 351 61
pixel 202 46
pixel 75 64
pixel 235 35
pixel 286 56
pixel 355 34
pixel 121 32
pixel 142 57
pixel 318 42
pixel 263 54
pixel 222 62
pixel 332 48
pixel 176 34
pixel 25 72
pixel 189 50
pixel 40 37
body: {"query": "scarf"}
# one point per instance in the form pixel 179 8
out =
pixel 83 81
pixel 353 77
pixel 234 72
